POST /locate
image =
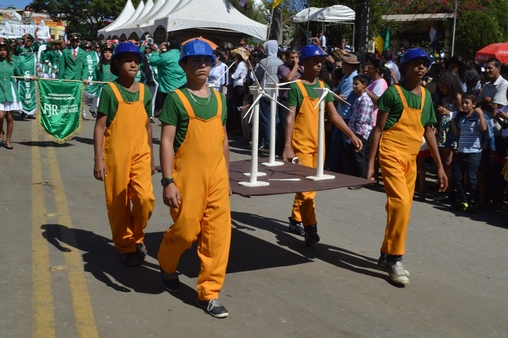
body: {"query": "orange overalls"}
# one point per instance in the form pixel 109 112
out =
pixel 398 148
pixel 127 158
pixel 305 147
pixel 200 174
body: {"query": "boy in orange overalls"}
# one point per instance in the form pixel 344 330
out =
pixel 301 138
pixel 124 154
pixel 194 156
pixel 405 115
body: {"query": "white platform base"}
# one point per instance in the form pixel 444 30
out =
pixel 254 184
pixel 273 164
pixel 258 175
pixel 321 178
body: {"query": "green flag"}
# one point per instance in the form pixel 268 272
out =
pixel 61 103
pixel 27 87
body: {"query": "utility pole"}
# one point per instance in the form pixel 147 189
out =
pixel 362 22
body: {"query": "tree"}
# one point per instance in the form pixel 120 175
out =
pixel 484 31
pixel 82 16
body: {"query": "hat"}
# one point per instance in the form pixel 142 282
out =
pixel 75 36
pixel 108 45
pixel 244 53
pixel 123 48
pixel 197 47
pixel 28 37
pixel 414 53
pixel 85 44
pixel 4 42
pixel 310 51
pixel 350 58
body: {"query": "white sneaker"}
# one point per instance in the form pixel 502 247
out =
pixel 397 273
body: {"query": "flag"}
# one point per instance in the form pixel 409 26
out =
pixel 243 3
pixel 60 106
pixel 276 3
pixel 382 41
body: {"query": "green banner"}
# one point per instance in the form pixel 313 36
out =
pixel 27 96
pixel 61 103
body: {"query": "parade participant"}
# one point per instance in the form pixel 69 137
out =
pixel 405 115
pixel 468 126
pixel 194 158
pixel 8 93
pixel 102 73
pixel 27 63
pixel 124 155
pixel 72 60
pixel 302 135
pixel 171 76
pixel 91 60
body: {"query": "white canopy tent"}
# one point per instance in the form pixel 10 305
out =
pixel 195 15
pixel 333 14
pixel 125 15
pixel 151 10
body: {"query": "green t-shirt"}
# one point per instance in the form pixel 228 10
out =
pixel 108 104
pixel 390 102
pixel 295 97
pixel 173 112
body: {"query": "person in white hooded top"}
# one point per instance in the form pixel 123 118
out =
pixel 270 64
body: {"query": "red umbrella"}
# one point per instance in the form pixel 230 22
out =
pixel 495 50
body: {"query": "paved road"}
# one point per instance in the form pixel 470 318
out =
pixel 61 277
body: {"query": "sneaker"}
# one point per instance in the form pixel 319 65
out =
pixel 397 273
pixel 296 227
pixel 382 265
pixel 355 187
pixel 460 206
pixel 171 281
pixel 130 259
pixel 311 235
pixel 141 251
pixel 213 308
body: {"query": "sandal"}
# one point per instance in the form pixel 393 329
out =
pixel 8 147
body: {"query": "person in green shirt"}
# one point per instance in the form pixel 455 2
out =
pixel 406 113
pixel 171 75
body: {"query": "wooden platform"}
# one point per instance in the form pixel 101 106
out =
pixel 286 171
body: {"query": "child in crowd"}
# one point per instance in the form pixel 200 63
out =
pixel 302 135
pixel 468 127
pixel 194 159
pixel 124 155
pixel 405 115
pixel 361 123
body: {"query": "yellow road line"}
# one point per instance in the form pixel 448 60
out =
pixel 82 305
pixel 42 299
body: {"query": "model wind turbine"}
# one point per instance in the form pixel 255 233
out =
pixel 320 176
pixel 258 92
pixel 273 114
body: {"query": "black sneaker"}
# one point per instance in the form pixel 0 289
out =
pixel 296 227
pixel 141 251
pixel 130 259
pixel 171 281
pixel 311 235
pixel 213 308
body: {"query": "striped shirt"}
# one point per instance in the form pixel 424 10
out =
pixel 470 133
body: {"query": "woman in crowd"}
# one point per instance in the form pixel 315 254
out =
pixel 449 102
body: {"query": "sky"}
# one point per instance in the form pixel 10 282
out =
pixel 19 4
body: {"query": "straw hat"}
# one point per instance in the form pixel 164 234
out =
pixel 244 53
